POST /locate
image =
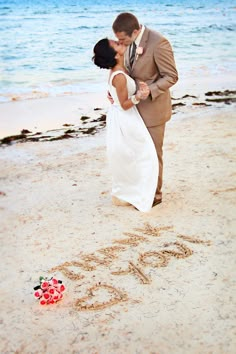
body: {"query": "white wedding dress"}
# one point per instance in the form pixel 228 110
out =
pixel 131 152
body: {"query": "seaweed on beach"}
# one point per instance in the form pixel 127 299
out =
pixel 64 136
pixel 223 97
pixel 201 104
pixel 100 119
pixel 178 105
pixel 83 118
pixel 9 139
pixel 227 96
pixel 226 100
pixel 185 96
pixel 220 93
pixel 89 126
pixel 25 131
pixel 91 130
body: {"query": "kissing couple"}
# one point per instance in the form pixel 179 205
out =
pixel 142 70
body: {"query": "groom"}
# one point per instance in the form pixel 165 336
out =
pixel 149 58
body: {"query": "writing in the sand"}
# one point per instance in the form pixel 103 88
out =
pixel 148 249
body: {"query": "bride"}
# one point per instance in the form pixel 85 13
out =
pixel 130 149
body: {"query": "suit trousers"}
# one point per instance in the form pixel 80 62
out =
pixel 157 133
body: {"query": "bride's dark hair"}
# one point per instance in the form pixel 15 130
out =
pixel 104 55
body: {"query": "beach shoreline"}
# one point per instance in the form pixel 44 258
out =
pixel 85 114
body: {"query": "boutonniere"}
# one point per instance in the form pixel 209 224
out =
pixel 139 50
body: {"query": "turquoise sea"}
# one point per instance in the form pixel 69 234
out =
pixel 46 45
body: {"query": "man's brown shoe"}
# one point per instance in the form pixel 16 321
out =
pixel 156 202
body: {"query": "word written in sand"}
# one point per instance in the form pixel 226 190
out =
pixel 111 259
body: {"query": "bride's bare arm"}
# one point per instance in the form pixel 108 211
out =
pixel 120 83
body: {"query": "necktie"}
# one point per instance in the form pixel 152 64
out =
pixel 132 52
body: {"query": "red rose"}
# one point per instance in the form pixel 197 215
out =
pixel 54 281
pixel 51 290
pixel 44 285
pixel 46 295
pixel 62 288
pixel 38 293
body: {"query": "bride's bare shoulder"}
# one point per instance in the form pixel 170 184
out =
pixel 118 78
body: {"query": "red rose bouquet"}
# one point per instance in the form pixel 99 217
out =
pixel 49 291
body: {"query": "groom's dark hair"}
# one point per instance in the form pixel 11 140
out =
pixel 125 22
pixel 104 54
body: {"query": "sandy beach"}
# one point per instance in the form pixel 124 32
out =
pixel 160 282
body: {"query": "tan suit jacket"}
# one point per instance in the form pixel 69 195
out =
pixel 156 67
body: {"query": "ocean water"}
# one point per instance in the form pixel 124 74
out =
pixel 46 46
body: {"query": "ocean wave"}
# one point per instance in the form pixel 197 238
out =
pixel 46 43
pixel 213 28
pixel 66 68
pixel 222 27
